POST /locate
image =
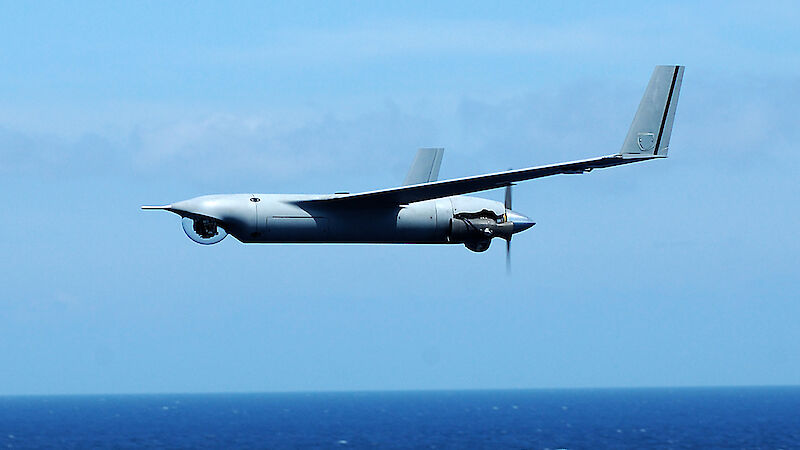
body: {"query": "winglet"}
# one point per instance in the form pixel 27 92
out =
pixel 425 167
pixel 651 128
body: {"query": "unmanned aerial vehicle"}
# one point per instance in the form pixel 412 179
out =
pixel 423 210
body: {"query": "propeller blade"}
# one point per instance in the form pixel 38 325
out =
pixel 508 256
pixel 508 241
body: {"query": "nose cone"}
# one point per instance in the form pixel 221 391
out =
pixel 216 206
pixel 521 222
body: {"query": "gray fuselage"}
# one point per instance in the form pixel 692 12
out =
pixel 288 218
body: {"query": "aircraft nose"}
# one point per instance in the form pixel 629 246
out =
pixel 521 222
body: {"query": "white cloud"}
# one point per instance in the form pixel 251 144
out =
pixel 732 121
pixel 253 147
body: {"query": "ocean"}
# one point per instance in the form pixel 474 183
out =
pixel 708 418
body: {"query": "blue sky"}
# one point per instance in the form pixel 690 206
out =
pixel 674 273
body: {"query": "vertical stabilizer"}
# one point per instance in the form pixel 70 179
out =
pixel 651 128
pixel 425 167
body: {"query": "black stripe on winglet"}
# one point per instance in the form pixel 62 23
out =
pixel 666 110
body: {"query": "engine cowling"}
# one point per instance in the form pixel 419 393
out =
pixel 477 232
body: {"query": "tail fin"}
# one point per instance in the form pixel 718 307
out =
pixel 425 167
pixel 649 133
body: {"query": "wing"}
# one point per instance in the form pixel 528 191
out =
pixel 425 167
pixel 647 138
pixel 409 194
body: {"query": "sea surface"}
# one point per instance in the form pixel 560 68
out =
pixel 707 418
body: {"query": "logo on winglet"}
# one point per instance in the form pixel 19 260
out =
pixel 646 141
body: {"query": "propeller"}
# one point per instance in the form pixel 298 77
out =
pixel 508 239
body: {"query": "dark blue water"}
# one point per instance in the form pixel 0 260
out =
pixel 766 418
